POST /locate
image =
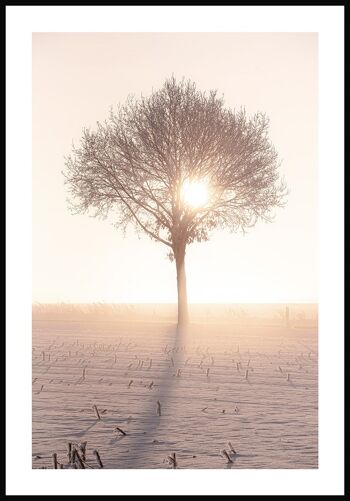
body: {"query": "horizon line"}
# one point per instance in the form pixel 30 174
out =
pixel 169 304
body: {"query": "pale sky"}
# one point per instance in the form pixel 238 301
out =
pixel 78 76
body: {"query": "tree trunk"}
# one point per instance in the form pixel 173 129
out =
pixel 182 307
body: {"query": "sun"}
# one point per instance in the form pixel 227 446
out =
pixel 195 193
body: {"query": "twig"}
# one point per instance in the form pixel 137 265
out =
pixel 120 430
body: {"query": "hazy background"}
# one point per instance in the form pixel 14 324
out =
pixel 77 77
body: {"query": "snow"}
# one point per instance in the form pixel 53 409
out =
pixel 248 381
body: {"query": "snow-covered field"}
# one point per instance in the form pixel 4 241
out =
pixel 249 381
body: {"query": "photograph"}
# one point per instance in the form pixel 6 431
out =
pixel 175 252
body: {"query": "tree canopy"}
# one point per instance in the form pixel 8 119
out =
pixel 136 163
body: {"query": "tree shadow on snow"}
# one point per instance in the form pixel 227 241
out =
pixel 141 444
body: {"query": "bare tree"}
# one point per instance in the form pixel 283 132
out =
pixel 153 154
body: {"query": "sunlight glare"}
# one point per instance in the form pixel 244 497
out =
pixel 195 193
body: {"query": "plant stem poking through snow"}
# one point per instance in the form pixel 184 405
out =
pixel 96 412
pixel 69 454
pixel 41 389
pixel 82 448
pixel 98 458
pixel 231 448
pixel 226 455
pixel 172 460
pixel 159 408
pixel 79 460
